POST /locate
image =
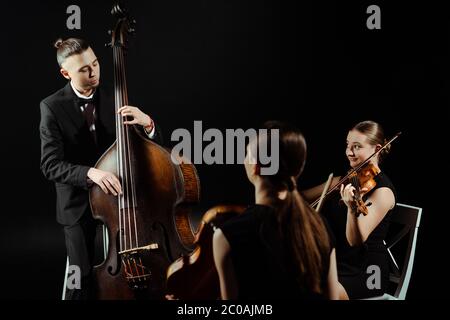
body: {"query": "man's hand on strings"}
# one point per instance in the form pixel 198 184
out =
pixel 138 117
pixel 105 180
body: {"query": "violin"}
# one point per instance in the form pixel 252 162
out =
pixel 194 276
pixel 362 178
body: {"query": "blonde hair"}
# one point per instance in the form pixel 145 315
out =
pixel 375 135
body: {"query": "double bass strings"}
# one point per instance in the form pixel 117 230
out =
pixel 127 203
pixel 119 144
pixel 125 171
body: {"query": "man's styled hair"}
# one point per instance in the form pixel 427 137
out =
pixel 69 47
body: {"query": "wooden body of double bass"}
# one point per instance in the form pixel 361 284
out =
pixel 163 192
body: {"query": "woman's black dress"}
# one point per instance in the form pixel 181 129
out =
pixel 353 262
pixel 261 263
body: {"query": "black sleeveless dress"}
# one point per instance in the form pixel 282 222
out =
pixel 259 259
pixel 353 262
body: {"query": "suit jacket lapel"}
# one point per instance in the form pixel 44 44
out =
pixel 104 110
pixel 105 121
pixel 71 107
pixel 106 107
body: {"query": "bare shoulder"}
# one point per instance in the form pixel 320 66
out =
pixel 385 196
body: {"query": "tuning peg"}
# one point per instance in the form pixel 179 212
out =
pixel 131 30
pixel 108 44
pixel 110 32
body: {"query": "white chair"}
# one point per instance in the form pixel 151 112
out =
pixel 408 217
pixel 66 274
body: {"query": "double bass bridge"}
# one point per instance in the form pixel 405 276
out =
pixel 137 274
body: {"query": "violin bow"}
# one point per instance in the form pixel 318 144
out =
pixel 324 192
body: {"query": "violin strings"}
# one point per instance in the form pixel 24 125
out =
pixel 352 181
pixel 355 184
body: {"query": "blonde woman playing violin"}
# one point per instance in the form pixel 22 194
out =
pixel 362 258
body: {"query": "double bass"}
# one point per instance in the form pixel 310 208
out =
pixel 148 224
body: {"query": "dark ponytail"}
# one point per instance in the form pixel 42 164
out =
pixel 302 230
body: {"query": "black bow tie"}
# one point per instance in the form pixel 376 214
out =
pixel 84 101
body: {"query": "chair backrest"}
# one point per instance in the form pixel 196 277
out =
pixel 408 217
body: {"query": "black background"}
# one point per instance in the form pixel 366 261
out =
pixel 234 64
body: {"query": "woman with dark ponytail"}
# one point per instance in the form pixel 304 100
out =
pixel 362 257
pixel 279 248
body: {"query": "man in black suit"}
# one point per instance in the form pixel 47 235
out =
pixel 77 126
